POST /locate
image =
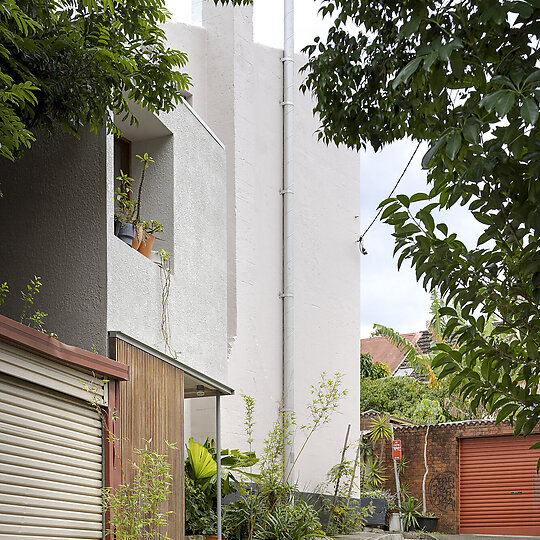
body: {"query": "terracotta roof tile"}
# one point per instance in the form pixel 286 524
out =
pixel 383 351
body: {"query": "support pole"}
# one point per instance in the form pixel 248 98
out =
pixel 398 489
pixel 336 492
pixel 356 458
pixel 218 463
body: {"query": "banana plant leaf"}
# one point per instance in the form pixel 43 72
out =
pixel 201 466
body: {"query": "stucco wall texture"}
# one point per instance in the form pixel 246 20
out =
pixel 190 188
pixel 58 219
pixel 53 224
pixel 238 88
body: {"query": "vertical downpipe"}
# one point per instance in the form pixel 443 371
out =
pixel 288 227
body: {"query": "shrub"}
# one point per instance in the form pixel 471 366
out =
pixel 136 507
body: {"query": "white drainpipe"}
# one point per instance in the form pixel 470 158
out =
pixel 288 226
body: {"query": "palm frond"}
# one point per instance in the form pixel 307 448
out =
pixel 403 345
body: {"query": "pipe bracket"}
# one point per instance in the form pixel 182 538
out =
pixel 283 191
pixel 287 59
pixel 286 295
pixel 285 103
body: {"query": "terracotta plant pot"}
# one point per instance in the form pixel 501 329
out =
pixel 146 244
pixel 137 237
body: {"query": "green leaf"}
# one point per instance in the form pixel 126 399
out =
pixel 200 461
pixel 505 103
pixel 491 100
pixel 505 412
pixel 404 200
pixel 430 154
pixel 521 8
pixel 438 79
pixel 406 72
pixel 453 145
pixel 389 210
pixel 419 197
pixel 456 61
pixel 529 111
pixel 529 426
pixel 410 27
pixel 471 129
pixel 443 228
pixel 534 78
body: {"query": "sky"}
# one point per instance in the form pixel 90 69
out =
pixel 387 296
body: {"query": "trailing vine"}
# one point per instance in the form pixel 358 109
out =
pixel 165 278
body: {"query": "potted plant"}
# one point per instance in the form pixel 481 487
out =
pixel 427 522
pixel 149 229
pixel 128 226
pixel 125 223
pixel 409 513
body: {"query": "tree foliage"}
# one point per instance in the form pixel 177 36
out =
pixel 72 63
pixel 400 396
pixel 462 76
pixel 374 370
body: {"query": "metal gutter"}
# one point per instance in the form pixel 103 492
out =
pixel 188 370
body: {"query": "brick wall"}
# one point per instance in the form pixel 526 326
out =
pixel 442 483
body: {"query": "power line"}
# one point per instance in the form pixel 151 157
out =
pixel 361 238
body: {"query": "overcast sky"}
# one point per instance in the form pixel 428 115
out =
pixel 388 297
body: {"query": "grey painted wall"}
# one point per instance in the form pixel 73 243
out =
pixel 53 223
pixel 57 215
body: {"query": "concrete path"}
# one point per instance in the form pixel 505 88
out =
pixel 383 535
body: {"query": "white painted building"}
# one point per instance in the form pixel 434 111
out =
pixel 237 90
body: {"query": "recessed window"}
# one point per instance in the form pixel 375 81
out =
pixel 122 159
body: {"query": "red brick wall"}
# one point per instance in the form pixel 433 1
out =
pixel 442 482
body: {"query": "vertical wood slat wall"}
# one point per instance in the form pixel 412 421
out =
pixel 152 407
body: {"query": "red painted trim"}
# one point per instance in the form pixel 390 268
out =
pixel 112 445
pixel 40 343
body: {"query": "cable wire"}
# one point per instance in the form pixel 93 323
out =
pixel 361 238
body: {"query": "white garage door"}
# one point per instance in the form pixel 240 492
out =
pixel 50 464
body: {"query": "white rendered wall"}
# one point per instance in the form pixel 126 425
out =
pixel 187 183
pixel 243 89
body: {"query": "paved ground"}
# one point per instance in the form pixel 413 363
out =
pixel 383 535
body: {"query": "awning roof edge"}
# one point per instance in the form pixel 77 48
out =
pixel 204 379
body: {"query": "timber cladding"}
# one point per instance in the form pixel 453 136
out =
pixel 152 408
pixel 443 456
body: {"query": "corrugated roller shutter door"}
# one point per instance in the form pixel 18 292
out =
pixel 73 381
pixel 50 464
pixel 499 487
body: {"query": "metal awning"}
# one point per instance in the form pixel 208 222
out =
pixel 196 384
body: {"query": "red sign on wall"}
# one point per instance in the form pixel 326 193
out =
pixel 396 449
